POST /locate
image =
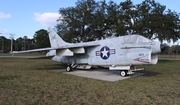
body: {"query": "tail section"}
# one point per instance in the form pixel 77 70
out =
pixel 55 40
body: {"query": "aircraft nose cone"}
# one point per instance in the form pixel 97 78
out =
pixel 163 47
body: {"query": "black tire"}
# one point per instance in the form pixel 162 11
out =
pixel 68 68
pixel 123 73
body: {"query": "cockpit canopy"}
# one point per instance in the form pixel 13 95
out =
pixel 135 39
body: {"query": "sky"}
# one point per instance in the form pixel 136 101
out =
pixel 25 17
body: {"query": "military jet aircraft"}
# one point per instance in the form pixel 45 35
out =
pixel 118 53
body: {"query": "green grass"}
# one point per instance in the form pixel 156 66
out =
pixel 173 57
pixel 22 54
pixel 30 82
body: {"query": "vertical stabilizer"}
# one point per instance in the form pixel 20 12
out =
pixel 55 40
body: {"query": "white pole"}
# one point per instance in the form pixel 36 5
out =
pixel 12 36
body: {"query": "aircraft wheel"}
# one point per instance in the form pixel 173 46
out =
pixel 68 68
pixel 123 73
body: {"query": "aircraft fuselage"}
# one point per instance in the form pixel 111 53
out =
pixel 124 50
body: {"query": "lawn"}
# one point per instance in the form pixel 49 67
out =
pixel 30 82
pixel 22 54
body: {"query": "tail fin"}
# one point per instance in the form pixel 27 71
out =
pixel 55 40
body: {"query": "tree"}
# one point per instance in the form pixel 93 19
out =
pixel 177 49
pixel 77 23
pixel 91 20
pixel 5 44
pixel 41 39
pixel 19 44
pixel 154 22
pixel 127 13
pixel 24 43
pixel 2 44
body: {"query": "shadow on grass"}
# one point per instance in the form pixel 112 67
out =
pixel 51 67
pixel 155 70
pixel 151 73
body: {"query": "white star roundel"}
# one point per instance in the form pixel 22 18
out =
pixel 105 52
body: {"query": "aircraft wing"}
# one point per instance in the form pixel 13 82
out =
pixel 79 45
pixel 34 50
pixel 60 47
pixel 71 49
pixel 65 50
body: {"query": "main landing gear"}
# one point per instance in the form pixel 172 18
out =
pixel 123 73
pixel 68 68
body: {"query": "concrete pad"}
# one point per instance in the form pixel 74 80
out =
pixel 100 74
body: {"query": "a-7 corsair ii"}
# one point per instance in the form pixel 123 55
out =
pixel 119 53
